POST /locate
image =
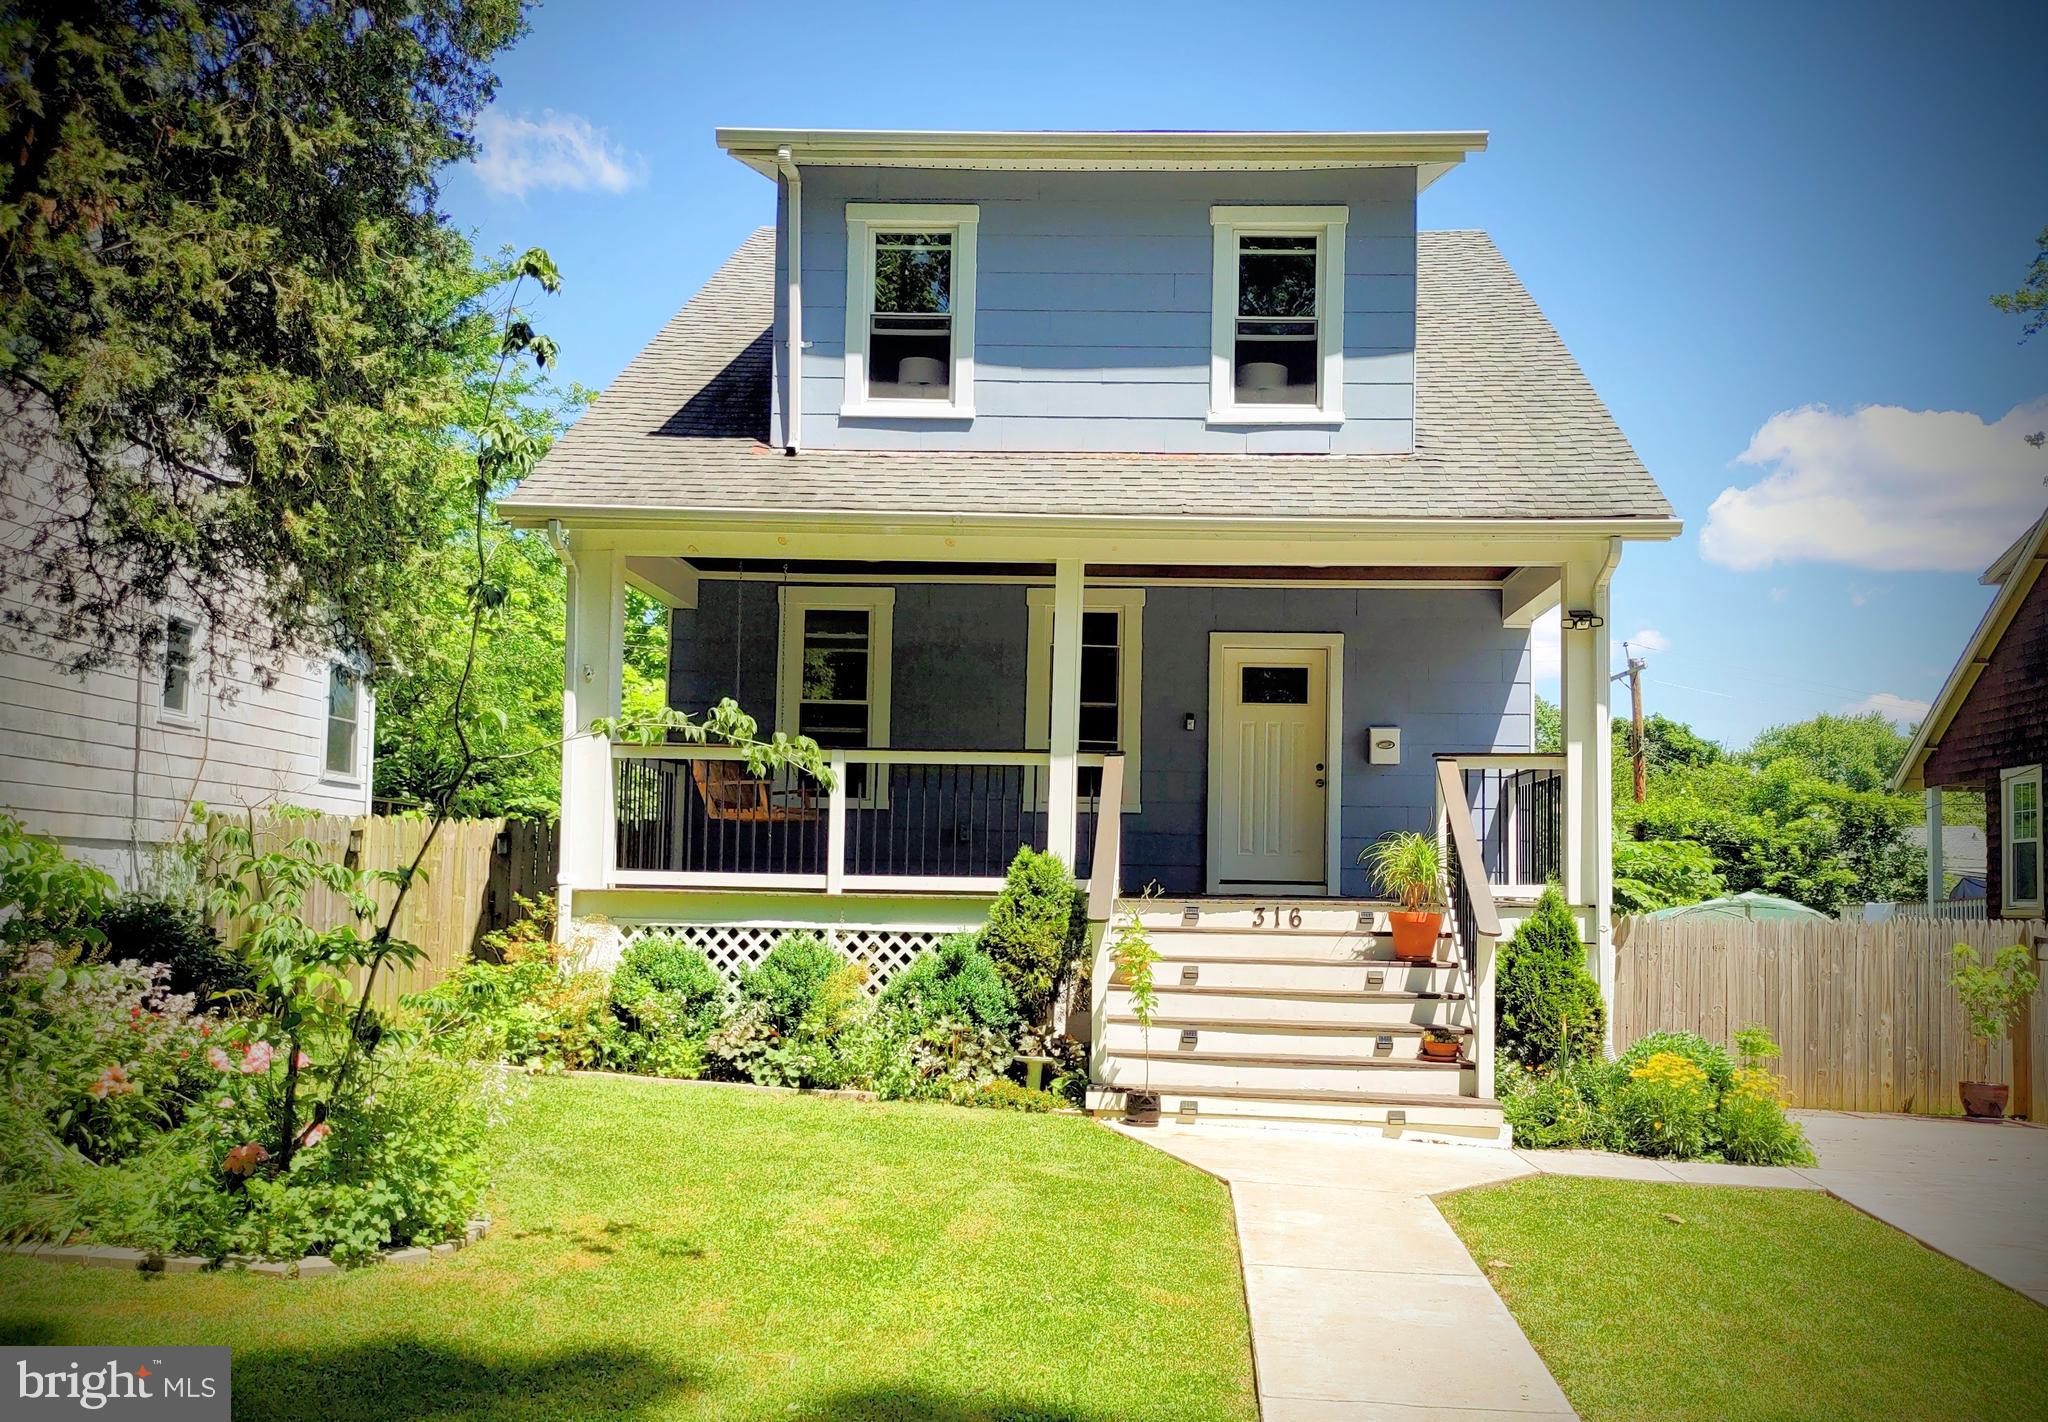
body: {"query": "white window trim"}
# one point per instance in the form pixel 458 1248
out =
pixel 2007 779
pixel 1227 225
pixel 1129 603
pixel 963 220
pixel 186 717
pixel 880 605
pixel 356 775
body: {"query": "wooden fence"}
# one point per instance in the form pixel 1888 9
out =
pixel 1864 1012
pixel 470 882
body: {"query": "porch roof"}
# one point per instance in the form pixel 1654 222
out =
pixel 1507 428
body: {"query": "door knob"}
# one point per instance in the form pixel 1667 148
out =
pixel 1320 782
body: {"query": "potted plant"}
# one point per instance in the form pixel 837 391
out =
pixel 1993 997
pixel 1440 1044
pixel 1408 866
pixel 1134 955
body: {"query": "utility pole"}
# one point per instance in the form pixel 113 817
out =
pixel 1640 751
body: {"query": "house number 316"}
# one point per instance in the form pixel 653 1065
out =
pixel 1259 917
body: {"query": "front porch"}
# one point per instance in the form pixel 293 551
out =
pixel 1255 726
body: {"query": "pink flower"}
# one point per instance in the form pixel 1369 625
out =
pixel 113 1081
pixel 226 1103
pixel 256 1059
pixel 244 1159
pixel 219 1060
pixel 316 1133
pixel 302 1061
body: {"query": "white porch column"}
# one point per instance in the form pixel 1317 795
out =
pixel 1588 746
pixel 594 670
pixel 1064 730
pixel 1935 891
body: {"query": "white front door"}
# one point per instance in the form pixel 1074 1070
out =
pixel 1269 775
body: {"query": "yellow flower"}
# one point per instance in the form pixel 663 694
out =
pixel 1670 1069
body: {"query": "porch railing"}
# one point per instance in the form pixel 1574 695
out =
pixel 939 821
pixel 1474 920
pixel 1517 808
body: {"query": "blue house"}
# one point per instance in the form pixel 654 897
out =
pixel 1166 501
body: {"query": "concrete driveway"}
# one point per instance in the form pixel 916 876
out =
pixel 1975 1190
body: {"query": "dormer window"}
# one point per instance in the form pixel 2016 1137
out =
pixel 910 310
pixel 1277 328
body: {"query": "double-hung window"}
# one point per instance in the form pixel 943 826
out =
pixel 2020 840
pixel 834 680
pixel 1112 662
pixel 1277 323
pixel 344 723
pixel 176 698
pixel 910 310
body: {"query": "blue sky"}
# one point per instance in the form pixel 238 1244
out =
pixel 1767 236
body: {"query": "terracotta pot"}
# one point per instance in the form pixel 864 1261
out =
pixel 1141 1108
pixel 1437 1051
pixel 1415 935
pixel 1984 1099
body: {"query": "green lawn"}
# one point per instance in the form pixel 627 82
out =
pixel 665 1251
pixel 1761 1304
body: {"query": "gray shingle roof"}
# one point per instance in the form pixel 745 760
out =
pixel 1506 427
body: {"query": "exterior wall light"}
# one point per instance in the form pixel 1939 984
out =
pixel 1580 620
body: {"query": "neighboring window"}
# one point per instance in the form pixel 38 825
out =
pixel 910 310
pixel 177 689
pixel 344 717
pixel 2021 839
pixel 1277 350
pixel 834 684
pixel 1112 658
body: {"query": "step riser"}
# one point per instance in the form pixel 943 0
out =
pixel 1261 913
pixel 1365 1014
pixel 1347 947
pixel 1423 1123
pixel 1333 976
pixel 1275 1041
pixel 1121 1071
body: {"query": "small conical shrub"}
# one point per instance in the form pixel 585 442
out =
pixel 1549 1006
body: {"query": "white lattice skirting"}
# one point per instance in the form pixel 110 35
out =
pixel 733 948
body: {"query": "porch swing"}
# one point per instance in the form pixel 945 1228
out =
pixel 726 788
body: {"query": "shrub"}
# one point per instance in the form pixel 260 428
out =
pixel 666 998
pixel 1558 1110
pixel 1712 1060
pixel 1549 1007
pixel 788 980
pixel 1004 1095
pixel 955 979
pixel 151 930
pixel 1752 1127
pixel 1037 930
pixel 55 900
pixel 1666 1108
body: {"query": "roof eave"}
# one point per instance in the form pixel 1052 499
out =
pixel 1431 154
pixel 2023 564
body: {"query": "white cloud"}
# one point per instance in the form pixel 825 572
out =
pixel 1642 642
pixel 1883 488
pixel 555 151
pixel 1903 710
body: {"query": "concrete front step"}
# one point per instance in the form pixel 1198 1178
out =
pixel 1461 1120
pixel 1303 974
pixel 1252 945
pixel 1364 1012
pixel 1339 1041
pixel 1127 1068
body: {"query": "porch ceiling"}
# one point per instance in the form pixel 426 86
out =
pixel 1141 572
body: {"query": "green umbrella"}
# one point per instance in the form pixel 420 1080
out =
pixel 1754 907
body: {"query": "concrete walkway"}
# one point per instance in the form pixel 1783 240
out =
pixel 1364 1304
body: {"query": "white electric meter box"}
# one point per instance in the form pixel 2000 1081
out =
pixel 1383 745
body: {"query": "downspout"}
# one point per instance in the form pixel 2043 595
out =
pixel 564 877
pixel 792 409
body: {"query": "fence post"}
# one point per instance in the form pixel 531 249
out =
pixel 835 827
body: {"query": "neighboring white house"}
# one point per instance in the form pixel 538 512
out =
pixel 110 762
pixel 1164 501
